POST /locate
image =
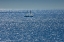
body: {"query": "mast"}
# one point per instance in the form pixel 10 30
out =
pixel 30 11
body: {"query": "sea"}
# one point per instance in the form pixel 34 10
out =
pixel 37 26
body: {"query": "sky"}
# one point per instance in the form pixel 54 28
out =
pixel 32 4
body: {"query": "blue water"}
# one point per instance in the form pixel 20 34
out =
pixel 44 26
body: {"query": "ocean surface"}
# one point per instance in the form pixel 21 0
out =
pixel 44 26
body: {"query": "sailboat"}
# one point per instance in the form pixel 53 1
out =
pixel 29 14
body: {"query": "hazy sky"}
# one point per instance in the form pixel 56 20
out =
pixel 31 4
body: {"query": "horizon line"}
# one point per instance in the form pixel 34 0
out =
pixel 31 9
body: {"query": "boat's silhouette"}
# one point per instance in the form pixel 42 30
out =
pixel 29 14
